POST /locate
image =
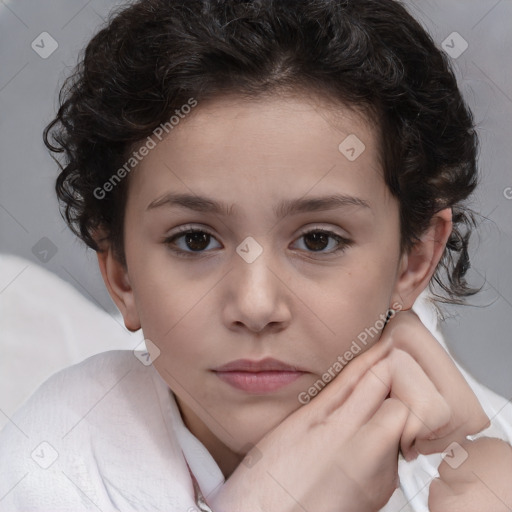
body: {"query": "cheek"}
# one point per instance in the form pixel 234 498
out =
pixel 175 314
pixel 362 285
pixel 354 306
pixel 172 315
pixel 166 294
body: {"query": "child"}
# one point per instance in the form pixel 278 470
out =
pixel 269 187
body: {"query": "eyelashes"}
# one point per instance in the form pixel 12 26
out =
pixel 190 236
pixel 320 236
pixel 194 242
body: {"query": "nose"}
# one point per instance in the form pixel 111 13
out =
pixel 257 298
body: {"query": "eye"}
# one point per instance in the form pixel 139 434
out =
pixel 189 241
pixel 317 240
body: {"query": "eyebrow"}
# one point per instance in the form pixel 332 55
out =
pixel 283 209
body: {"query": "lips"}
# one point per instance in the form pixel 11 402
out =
pixel 265 365
pixel 258 377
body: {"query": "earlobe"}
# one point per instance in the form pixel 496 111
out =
pixel 419 264
pixel 115 276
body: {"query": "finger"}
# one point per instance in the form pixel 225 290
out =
pixel 334 395
pixel 428 410
pixel 409 334
pixel 366 398
pixel 438 444
pixel 381 434
pixel 374 452
pixel 399 376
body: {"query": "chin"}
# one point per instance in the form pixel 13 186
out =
pixel 248 429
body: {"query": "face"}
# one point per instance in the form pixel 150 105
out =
pixel 299 258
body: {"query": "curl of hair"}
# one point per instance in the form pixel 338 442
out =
pixel 153 55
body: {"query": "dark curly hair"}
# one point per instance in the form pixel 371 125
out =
pixel 154 55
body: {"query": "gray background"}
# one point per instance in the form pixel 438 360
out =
pixel 479 335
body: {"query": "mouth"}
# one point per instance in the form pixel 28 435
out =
pixel 258 377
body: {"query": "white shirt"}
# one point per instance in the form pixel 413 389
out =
pixel 118 439
pixel 106 434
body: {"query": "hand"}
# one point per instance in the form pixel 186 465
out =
pixel 339 452
pixel 482 482
pixel 406 332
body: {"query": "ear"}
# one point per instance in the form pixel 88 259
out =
pixel 418 265
pixel 117 281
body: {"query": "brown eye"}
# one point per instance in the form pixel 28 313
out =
pixel 190 241
pixel 197 241
pixel 323 242
pixel 316 240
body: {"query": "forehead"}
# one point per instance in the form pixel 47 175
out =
pixel 240 150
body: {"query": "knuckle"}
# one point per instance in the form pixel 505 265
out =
pixel 390 423
pixel 381 369
pixel 442 415
pixel 435 415
pixel 400 357
pixel 401 328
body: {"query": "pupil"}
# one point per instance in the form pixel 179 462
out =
pixel 197 241
pixel 317 238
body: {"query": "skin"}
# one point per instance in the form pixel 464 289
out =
pixel 293 304
pixel 481 482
